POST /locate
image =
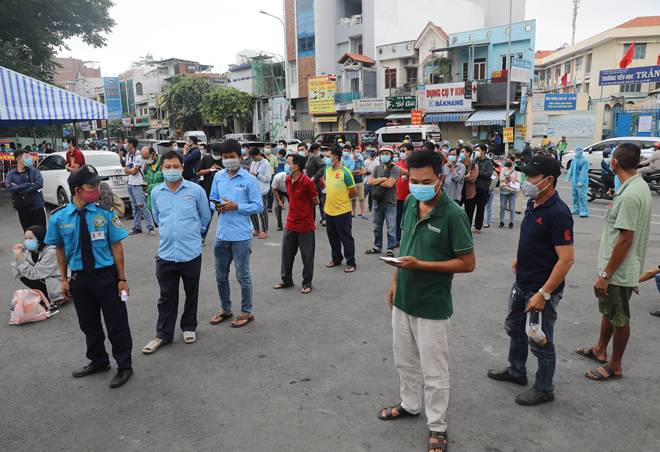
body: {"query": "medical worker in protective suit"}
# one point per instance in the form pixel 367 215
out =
pixel 578 173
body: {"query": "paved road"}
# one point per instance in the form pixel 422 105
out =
pixel 313 370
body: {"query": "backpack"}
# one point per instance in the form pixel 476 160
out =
pixel 26 307
pixel 118 206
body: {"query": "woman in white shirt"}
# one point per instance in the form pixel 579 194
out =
pixel 262 170
pixel 509 186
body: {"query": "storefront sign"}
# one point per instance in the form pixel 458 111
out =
pixel 445 97
pixel 416 117
pixel 468 90
pixel 475 132
pixel 343 107
pixel 321 95
pixel 142 121
pixel 112 97
pixel 538 100
pixel 560 102
pixel 366 106
pixel 508 134
pixel 521 130
pixel 523 99
pixel 324 119
pixel 521 70
pixel 401 102
pixel 629 75
pixel 126 122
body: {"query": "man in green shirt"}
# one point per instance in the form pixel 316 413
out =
pixel 436 242
pixel 620 261
pixel 561 148
pixel 153 173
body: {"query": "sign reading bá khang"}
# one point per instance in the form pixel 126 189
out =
pixel 445 97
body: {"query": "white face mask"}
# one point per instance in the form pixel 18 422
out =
pixel 216 157
pixel 477 154
pixel 231 164
pixel 148 161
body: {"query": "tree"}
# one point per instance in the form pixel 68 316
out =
pixel 32 30
pixel 228 104
pixel 115 128
pixel 441 71
pixel 183 101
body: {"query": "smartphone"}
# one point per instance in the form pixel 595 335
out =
pixel 390 259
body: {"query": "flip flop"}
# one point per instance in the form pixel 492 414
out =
pixel 589 354
pixel 600 377
pixel 372 251
pixel 189 337
pixel 220 317
pixel 283 286
pixel 349 269
pixel 331 264
pixel 152 346
pixel 308 289
pixel 248 317
pixel 365 217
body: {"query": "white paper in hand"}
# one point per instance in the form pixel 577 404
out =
pixel 390 259
pixel 124 295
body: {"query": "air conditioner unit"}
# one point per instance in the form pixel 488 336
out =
pixel 407 62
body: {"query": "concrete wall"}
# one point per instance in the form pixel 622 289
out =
pixel 244 85
pixel 454 131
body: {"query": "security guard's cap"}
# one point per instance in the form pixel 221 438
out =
pixel 84 175
pixel 542 164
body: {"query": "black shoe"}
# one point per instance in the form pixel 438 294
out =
pixel 397 244
pixel 279 228
pixel 135 231
pixel 505 375
pixel 90 369
pixel 655 313
pixel 510 225
pixel 533 397
pixel 270 210
pixel 501 225
pixel 122 377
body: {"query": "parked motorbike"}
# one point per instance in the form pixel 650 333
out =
pixel 597 188
pixel 653 179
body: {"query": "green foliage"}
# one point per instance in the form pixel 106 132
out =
pixel 228 104
pixel 442 68
pixel 32 30
pixel 183 101
pixel 115 128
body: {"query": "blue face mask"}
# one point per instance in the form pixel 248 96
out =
pixel 346 154
pixel 327 161
pixel 287 169
pixel 372 154
pixel 445 151
pixel 368 148
pixel 452 158
pixel 421 192
pixel 175 147
pixel 385 159
pixel 280 147
pixel 31 244
pixel 395 159
pixel 27 161
pixel 462 156
pixel 172 175
pixel 341 145
pixel 243 151
pixel 301 153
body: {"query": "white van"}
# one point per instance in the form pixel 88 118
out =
pixel 394 135
pixel 201 136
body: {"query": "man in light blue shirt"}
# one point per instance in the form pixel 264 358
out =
pixel 180 209
pixel 236 195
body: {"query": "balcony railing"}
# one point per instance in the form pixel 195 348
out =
pixel 351 21
pixel 346 98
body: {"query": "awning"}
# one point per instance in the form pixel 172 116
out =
pixel 457 116
pixel 25 101
pixel 489 117
pixel 152 131
pixel 399 116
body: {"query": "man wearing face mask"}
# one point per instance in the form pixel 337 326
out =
pixel 402 190
pixel 25 184
pixel 578 173
pixel 87 236
pixel 191 158
pixel 454 175
pixel 246 161
pixel 384 180
pixel 268 153
pixel 153 173
pixel 436 243
pixel 261 169
pixel 482 185
pixel 134 166
pixel 315 169
pixel 181 209
pixel 370 164
pixel 208 168
pixel 545 255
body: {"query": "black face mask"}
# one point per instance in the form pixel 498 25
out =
pixel 508 164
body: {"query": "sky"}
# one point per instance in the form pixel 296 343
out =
pixel 213 32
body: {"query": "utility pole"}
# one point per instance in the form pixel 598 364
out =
pixel 576 5
pixel 508 82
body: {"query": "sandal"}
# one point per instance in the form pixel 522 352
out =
pixel 389 416
pixel 349 269
pixel 372 251
pixel 306 290
pixel 476 231
pixel 247 317
pixel 365 217
pixel 189 337
pixel 220 317
pixel 390 254
pixel 589 354
pixel 487 225
pixel 600 377
pixel 442 444
pixel 283 286
pixel 152 346
pixel 331 264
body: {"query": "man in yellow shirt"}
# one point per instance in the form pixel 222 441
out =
pixel 340 188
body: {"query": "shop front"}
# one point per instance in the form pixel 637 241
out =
pixel 448 105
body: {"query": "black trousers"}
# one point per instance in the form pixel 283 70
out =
pixel 399 217
pixel 96 293
pixel 168 274
pixel 481 199
pixel 340 232
pixel 291 242
pixel 36 284
pixel 34 217
pixel 470 205
pixel 278 210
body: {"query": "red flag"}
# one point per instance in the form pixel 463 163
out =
pixel 564 80
pixel 627 58
pixel 659 58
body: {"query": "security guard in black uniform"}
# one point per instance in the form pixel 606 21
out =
pixel 87 236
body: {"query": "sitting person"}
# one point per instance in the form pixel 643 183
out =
pixel 35 264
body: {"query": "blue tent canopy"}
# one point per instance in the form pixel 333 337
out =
pixel 26 102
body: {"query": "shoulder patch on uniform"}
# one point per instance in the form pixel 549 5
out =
pixel 58 208
pixel 104 206
pixel 117 222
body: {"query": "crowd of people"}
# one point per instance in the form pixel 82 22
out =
pixel 432 201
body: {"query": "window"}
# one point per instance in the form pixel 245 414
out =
pixel 294 75
pixel 398 137
pixel 639 53
pixel 557 71
pixel 578 64
pixel 519 56
pixel 503 63
pixel 567 67
pixel 465 71
pixel 632 88
pixel 587 69
pixel 479 68
pixel 411 75
pixel 390 78
pixel 305 28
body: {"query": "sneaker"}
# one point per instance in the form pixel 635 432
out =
pixel 270 210
pixel 135 231
pixel 279 228
pixel 501 225
pixel 510 225
pixel 152 232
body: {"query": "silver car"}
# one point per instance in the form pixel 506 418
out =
pixel 56 189
pixel 594 153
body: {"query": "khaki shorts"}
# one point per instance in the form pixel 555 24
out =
pixel 616 306
pixel 360 194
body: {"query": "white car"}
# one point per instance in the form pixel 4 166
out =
pixel 56 189
pixel 594 153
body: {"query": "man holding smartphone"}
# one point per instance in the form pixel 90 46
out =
pixel 133 168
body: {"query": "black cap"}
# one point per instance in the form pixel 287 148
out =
pixel 542 164
pixel 84 175
pixel 216 149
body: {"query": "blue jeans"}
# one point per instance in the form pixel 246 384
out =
pixel 387 214
pixel 139 198
pixel 489 208
pixel 504 197
pixel 239 252
pixel 518 348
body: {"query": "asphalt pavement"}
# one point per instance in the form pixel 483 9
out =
pixel 312 371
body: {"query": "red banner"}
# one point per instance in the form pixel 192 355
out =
pixel 416 117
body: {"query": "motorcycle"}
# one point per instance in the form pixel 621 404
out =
pixel 597 188
pixel 653 179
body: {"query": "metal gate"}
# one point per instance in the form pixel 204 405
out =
pixel 635 122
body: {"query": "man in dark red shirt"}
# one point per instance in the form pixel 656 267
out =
pixel 299 229
pixel 74 158
pixel 402 190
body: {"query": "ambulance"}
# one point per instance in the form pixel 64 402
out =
pixel 394 135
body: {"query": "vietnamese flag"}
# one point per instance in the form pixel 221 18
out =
pixel 564 80
pixel 627 58
pixel 659 58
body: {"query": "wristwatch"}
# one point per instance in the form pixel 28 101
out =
pixel 604 276
pixel 546 296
